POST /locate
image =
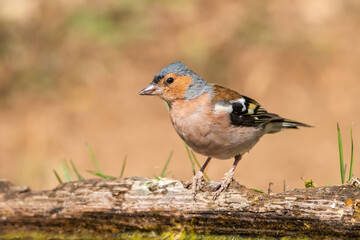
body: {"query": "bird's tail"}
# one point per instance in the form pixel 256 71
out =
pixel 275 125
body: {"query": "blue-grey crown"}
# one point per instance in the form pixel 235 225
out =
pixel 178 68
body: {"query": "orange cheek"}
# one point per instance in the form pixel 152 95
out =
pixel 174 93
pixel 177 90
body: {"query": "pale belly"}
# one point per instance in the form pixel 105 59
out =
pixel 218 139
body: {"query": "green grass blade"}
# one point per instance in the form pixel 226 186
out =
pixel 342 170
pixel 101 175
pixel 57 176
pixel 256 190
pixel 345 168
pixel 197 163
pixel 163 174
pixel 66 171
pixel 76 171
pixel 167 106
pixel 195 159
pixel 352 155
pixel 190 158
pixel 123 167
pixel 158 178
pixel 92 155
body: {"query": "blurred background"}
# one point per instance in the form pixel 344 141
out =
pixel 71 71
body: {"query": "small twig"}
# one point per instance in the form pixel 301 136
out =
pixel 354 182
pixel 269 187
pixel 284 186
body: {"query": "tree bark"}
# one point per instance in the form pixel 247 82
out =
pixel 115 206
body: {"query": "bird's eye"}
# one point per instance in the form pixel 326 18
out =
pixel 170 80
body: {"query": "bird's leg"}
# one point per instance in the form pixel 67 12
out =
pixel 198 179
pixel 228 178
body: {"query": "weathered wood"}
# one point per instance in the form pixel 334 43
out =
pixel 104 205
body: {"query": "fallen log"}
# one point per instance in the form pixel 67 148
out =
pixel 118 205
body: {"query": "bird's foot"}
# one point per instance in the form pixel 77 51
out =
pixel 225 183
pixel 196 182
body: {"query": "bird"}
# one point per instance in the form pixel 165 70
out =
pixel 212 120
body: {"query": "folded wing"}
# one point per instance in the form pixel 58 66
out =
pixel 244 111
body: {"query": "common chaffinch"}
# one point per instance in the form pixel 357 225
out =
pixel 214 121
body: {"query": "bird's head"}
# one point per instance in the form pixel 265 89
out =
pixel 175 82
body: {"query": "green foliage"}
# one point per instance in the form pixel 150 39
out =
pixel 190 158
pixel 93 158
pixel 352 156
pixel 167 106
pixel 257 190
pixel 66 171
pixel 163 172
pixel 76 171
pixel 341 156
pixel 97 165
pixel 100 174
pixel 309 183
pixel 57 176
pixel 68 175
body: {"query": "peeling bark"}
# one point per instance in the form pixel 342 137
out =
pixel 114 206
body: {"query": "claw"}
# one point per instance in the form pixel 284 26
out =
pixel 196 183
pixel 227 179
pixel 188 184
pixel 225 183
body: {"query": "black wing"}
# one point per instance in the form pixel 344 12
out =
pixel 247 112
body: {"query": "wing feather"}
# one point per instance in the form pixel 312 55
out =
pixel 244 111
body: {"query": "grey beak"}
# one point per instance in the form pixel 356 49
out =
pixel 152 89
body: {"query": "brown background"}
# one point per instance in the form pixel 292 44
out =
pixel 70 73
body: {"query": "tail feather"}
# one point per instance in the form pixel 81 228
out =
pixel 275 125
